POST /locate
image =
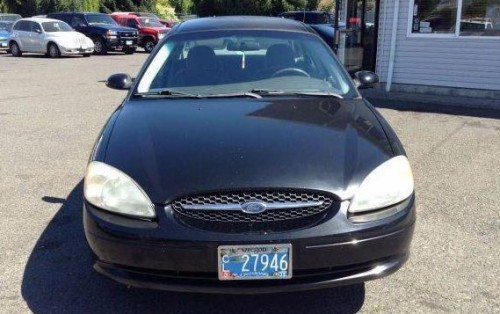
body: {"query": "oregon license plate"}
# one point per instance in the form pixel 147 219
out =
pixel 3 44
pixel 128 42
pixel 252 262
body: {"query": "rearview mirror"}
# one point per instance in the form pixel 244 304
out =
pixel 243 46
pixel 120 81
pixel 366 79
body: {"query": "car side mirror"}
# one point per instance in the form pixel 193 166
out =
pixel 38 31
pixel 120 81
pixel 366 79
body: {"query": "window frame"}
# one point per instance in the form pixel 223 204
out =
pixel 456 34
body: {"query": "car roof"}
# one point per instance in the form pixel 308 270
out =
pixel 241 23
pixel 38 19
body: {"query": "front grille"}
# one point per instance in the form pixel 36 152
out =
pixel 127 35
pixel 303 209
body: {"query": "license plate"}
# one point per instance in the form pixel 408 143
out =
pixel 252 262
pixel 128 42
pixel 4 44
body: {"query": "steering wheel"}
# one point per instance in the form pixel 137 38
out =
pixel 290 71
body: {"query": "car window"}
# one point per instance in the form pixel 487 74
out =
pixel 132 23
pixel 78 21
pixel 35 27
pixel 150 22
pixel 100 19
pixel 56 26
pixel 214 62
pixel 23 26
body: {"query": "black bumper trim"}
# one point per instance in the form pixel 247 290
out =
pixel 152 281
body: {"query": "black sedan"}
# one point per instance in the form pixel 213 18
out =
pixel 244 160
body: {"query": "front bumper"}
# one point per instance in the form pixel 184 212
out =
pixel 4 45
pixel 170 256
pixel 66 51
pixel 121 43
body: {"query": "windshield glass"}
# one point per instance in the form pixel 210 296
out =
pixel 6 26
pixel 211 63
pixel 59 26
pixel 103 19
pixel 10 17
pixel 149 22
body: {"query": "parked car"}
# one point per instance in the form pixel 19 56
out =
pixel 150 29
pixel 244 160
pixel 5 29
pixel 167 23
pixel 106 34
pixel 7 17
pixel 48 36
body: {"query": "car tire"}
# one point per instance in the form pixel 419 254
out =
pixel 53 51
pixel 149 45
pixel 129 51
pixel 15 50
pixel 99 46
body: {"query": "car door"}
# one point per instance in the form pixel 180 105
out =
pixel 23 35
pixel 37 38
pixel 79 23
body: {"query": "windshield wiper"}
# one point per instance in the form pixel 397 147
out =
pixel 167 93
pixel 271 92
pixel 174 93
pixel 234 95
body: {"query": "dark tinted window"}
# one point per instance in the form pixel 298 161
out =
pixel 132 23
pixel 63 17
pixel 78 21
pixel 23 26
pixel 35 27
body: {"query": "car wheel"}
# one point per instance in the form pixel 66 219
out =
pixel 99 47
pixel 53 51
pixel 149 45
pixel 129 51
pixel 15 50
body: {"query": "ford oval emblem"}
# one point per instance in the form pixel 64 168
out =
pixel 253 207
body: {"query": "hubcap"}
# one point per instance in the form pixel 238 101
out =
pixel 53 51
pixel 97 46
pixel 14 49
pixel 149 46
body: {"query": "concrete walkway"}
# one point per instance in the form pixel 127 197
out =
pixel 457 105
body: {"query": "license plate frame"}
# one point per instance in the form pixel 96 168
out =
pixel 262 249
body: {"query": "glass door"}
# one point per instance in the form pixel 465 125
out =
pixel 358 25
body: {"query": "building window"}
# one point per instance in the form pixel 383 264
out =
pixel 456 17
pixel 480 18
pixel 431 16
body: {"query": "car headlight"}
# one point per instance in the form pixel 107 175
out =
pixel 111 33
pixel 110 189
pixel 389 184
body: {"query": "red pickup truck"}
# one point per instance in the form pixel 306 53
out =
pixel 150 29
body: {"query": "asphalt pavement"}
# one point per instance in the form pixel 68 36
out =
pixel 51 112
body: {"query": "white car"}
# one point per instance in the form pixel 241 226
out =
pixel 48 36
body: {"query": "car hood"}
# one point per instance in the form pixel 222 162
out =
pixel 4 34
pixel 173 148
pixel 116 28
pixel 66 35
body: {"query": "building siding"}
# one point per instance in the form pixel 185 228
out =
pixel 449 62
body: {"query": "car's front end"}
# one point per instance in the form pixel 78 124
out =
pixel 204 186
pixel 4 40
pixel 121 38
pixel 76 44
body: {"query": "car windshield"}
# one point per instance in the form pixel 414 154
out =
pixel 102 19
pixel 6 26
pixel 10 17
pixel 150 22
pixel 212 63
pixel 56 26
